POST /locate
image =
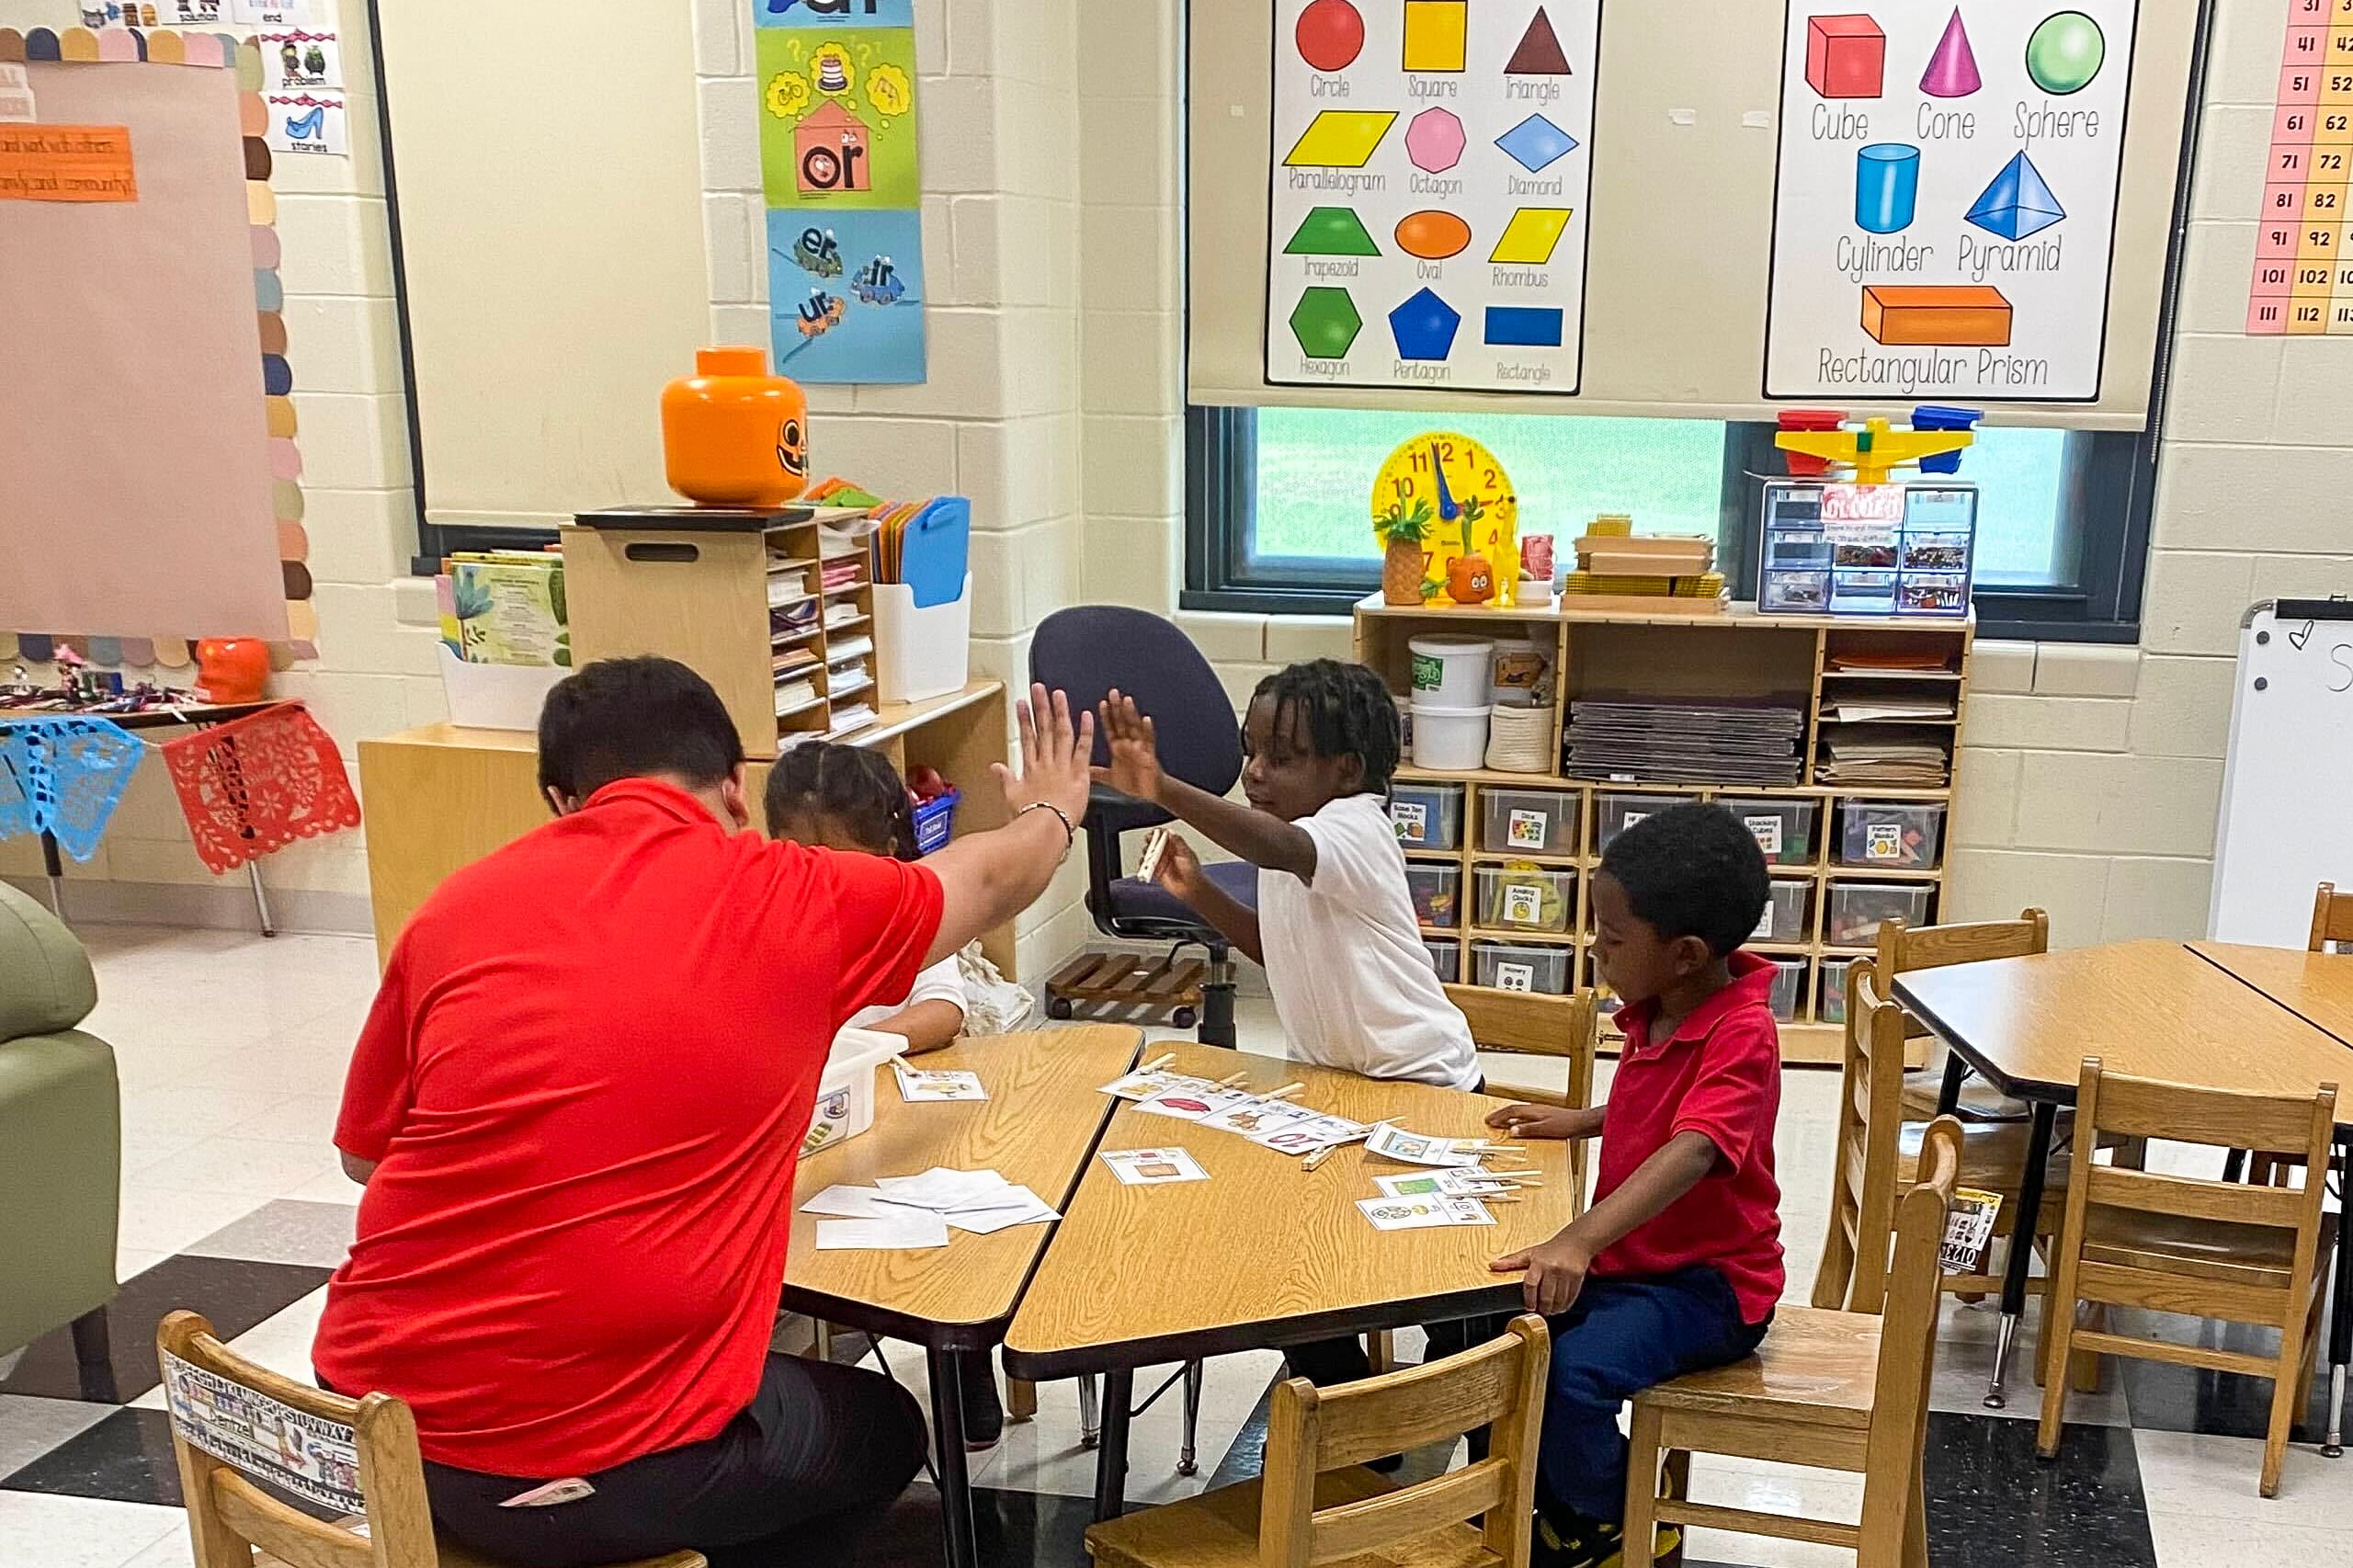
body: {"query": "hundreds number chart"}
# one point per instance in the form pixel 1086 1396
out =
pixel 2304 263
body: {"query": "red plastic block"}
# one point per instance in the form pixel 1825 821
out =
pixel 1846 57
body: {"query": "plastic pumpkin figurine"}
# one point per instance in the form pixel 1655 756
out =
pixel 733 435
pixel 232 669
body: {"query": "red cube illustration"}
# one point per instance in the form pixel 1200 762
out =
pixel 1846 57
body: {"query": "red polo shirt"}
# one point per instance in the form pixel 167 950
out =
pixel 1719 1073
pixel 586 1077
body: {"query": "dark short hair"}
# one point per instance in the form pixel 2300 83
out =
pixel 1344 710
pixel 634 718
pixel 824 781
pixel 1692 871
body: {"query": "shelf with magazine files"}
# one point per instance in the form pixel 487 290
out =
pixel 1739 659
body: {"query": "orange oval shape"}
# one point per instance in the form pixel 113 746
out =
pixel 1432 235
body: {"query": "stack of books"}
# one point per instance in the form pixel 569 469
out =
pixel 504 606
pixel 1669 574
pixel 1628 740
pixel 1885 759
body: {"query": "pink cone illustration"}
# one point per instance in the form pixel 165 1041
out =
pixel 1953 69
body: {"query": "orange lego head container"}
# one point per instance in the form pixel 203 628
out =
pixel 733 435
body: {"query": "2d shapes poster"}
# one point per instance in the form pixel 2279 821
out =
pixel 1427 220
pixel 837 82
pixel 1945 214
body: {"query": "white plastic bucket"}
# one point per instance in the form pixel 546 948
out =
pixel 1452 740
pixel 845 1105
pixel 1453 671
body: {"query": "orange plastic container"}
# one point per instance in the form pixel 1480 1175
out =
pixel 733 435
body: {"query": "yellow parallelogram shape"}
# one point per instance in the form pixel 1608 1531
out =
pixel 1529 239
pixel 1341 139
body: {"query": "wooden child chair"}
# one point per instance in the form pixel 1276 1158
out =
pixel 1314 1503
pixel 229 1518
pixel 2332 920
pixel 2193 1245
pixel 1900 949
pixel 1833 1390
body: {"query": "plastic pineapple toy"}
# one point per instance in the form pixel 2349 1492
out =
pixel 1404 530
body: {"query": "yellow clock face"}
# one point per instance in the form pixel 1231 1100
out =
pixel 1459 497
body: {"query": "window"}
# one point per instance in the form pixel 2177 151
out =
pixel 1279 511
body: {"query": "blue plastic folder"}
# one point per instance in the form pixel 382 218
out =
pixel 938 545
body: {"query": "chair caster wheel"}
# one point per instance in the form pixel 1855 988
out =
pixel 1058 1007
pixel 1088 1439
pixel 1184 1018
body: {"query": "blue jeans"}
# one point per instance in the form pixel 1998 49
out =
pixel 1619 1338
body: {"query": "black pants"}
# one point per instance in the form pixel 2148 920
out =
pixel 821 1450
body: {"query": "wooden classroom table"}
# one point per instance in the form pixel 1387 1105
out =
pixel 2186 1014
pixel 1263 1253
pixel 1038 1129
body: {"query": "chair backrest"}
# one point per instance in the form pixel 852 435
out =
pixel 1311 1430
pixel 1907 1333
pixel 1088 650
pixel 1502 1022
pixel 2332 919
pixel 46 985
pixel 229 1515
pixel 2262 1124
pixel 1899 950
pixel 1871 1126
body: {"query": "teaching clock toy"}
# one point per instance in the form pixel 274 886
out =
pixel 1444 508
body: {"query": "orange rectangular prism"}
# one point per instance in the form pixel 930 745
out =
pixel 1942 315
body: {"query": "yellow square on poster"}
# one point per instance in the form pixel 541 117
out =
pixel 1436 34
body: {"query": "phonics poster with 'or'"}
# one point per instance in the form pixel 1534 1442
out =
pixel 1426 225
pixel 1945 213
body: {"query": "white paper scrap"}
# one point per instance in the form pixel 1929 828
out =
pixel 909 1228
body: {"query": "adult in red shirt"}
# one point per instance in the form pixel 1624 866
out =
pixel 577 1105
pixel 1677 1265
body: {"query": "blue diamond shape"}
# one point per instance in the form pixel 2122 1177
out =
pixel 2018 203
pixel 1424 327
pixel 1536 141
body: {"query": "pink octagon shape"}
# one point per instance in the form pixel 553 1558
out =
pixel 1433 140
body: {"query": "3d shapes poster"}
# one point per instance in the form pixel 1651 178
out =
pixel 837 159
pixel 1428 210
pixel 1945 214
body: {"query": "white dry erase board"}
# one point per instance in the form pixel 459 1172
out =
pixel 2283 828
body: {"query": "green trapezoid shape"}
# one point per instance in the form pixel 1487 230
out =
pixel 1331 231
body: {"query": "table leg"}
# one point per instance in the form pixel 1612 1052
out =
pixel 1956 1071
pixel 1111 1457
pixel 54 864
pixel 1090 1412
pixel 261 898
pixel 955 1482
pixel 2021 1252
pixel 2340 1312
pixel 1188 1459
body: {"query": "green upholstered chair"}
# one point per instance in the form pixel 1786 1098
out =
pixel 61 1144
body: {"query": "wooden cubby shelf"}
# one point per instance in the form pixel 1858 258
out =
pixel 1741 656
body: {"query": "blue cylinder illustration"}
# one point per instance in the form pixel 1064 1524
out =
pixel 1887 187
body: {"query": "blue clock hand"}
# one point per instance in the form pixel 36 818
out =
pixel 1446 507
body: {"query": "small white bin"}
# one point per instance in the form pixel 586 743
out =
pixel 1453 671
pixel 496 697
pixel 921 653
pixel 845 1105
pixel 1450 740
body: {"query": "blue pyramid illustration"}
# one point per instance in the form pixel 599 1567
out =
pixel 1536 141
pixel 1424 327
pixel 2018 203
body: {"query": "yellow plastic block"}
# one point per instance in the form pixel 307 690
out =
pixel 1340 138
pixel 1436 34
pixel 1529 239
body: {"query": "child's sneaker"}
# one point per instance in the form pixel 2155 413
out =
pixel 1575 1541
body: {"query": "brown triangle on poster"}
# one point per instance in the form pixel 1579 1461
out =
pixel 1539 52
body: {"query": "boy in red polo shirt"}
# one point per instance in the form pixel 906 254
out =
pixel 1677 1265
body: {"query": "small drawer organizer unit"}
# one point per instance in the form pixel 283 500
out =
pixel 1501 864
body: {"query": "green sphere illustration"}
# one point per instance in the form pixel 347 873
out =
pixel 2065 53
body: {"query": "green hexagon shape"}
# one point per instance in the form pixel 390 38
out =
pixel 1326 323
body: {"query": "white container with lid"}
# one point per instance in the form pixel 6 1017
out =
pixel 1450 740
pixel 1453 671
pixel 845 1106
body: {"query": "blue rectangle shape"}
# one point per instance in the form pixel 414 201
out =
pixel 832 13
pixel 1523 326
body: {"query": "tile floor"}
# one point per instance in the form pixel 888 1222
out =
pixel 230 1051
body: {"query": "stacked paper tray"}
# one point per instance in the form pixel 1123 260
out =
pixel 1683 743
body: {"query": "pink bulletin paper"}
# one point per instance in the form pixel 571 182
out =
pixel 135 484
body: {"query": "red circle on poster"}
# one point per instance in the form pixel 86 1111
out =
pixel 1330 35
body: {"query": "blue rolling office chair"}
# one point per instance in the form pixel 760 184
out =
pixel 1085 651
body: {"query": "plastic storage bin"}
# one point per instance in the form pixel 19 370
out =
pixel 1832 1007
pixel 1618 813
pixel 1427 816
pixel 1443 952
pixel 1437 891
pixel 1526 898
pixel 1505 966
pixel 935 819
pixel 1453 671
pixel 845 1105
pixel 1783 829
pixel 1785 914
pixel 1450 740
pixel 1529 821
pixel 921 653
pixel 1892 837
pixel 1788 987
pixel 1857 909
